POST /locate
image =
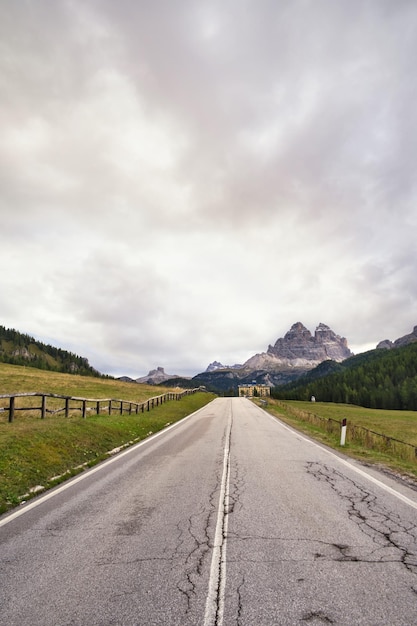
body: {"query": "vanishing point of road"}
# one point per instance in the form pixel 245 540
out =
pixel 227 518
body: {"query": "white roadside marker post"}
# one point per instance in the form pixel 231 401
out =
pixel 343 432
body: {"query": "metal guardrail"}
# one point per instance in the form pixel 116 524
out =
pixel 74 403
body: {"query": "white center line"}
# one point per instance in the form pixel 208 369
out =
pixel 216 591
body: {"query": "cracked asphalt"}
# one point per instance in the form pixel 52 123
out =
pixel 228 517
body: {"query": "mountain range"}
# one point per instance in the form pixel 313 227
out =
pixel 289 358
pixel 292 356
pixel 297 353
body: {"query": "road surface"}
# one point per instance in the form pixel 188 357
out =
pixel 226 518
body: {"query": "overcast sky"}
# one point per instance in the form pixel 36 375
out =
pixel 183 180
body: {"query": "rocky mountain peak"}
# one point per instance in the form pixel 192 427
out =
pixel 300 349
pixel 323 331
pixel 298 332
pixel 299 343
pixel 156 376
pixel 398 343
pixel 216 365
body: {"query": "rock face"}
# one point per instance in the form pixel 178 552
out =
pixel 300 349
pixel 23 352
pixel 215 366
pixel 156 376
pixel 386 344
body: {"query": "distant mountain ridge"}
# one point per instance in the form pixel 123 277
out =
pixel 398 343
pixel 293 355
pixel 289 358
pixel 219 366
pixel 156 377
pixel 300 350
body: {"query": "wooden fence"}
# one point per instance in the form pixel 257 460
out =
pixel 85 405
pixel 357 434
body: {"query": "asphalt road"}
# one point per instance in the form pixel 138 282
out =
pixel 228 517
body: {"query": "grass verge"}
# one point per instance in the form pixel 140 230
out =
pixel 37 454
pixel 20 379
pixel 400 425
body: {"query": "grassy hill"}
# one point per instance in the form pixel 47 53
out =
pixel 385 379
pixel 38 453
pixel 21 349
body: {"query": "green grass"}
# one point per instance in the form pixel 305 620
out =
pixel 42 452
pixel 401 425
pixel 17 378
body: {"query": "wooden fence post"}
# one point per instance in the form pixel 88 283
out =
pixel 66 407
pixel 98 407
pixel 11 409
pixel 84 409
pixel 43 408
pixel 109 407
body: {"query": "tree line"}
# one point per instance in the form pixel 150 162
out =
pixel 380 379
pixel 21 349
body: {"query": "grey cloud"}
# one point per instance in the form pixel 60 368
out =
pixel 183 178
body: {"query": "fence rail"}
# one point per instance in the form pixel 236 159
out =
pixel 358 434
pixel 98 405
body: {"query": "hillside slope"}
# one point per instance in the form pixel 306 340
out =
pixel 20 349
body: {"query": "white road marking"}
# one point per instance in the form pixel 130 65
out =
pixel 213 615
pixel 351 466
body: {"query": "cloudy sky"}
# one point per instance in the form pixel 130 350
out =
pixel 182 180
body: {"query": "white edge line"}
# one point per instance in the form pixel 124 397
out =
pixel 359 471
pixel 87 473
